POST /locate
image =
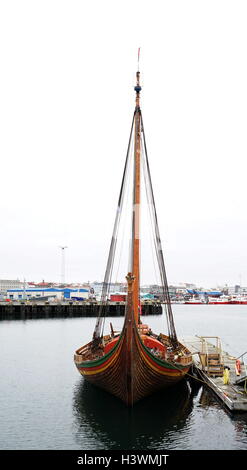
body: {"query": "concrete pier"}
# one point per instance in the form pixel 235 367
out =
pixel 230 388
pixel 28 310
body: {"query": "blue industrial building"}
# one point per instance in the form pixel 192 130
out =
pixel 50 292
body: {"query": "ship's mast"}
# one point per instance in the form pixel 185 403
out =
pixel 137 135
pixel 136 203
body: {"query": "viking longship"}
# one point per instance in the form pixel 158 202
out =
pixel 134 362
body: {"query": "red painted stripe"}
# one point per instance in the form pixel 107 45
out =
pixel 156 364
pixel 102 364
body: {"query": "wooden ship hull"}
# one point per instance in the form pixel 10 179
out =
pixel 136 363
pixel 131 375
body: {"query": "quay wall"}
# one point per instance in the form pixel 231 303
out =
pixel 31 310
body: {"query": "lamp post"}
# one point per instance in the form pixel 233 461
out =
pixel 63 265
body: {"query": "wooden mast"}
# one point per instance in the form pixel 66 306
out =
pixel 136 203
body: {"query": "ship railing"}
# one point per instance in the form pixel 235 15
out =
pixel 185 359
pixel 83 353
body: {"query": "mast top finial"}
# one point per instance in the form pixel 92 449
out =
pixel 138 87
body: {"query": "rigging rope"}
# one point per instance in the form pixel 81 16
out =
pixel 158 247
pixel 125 215
pixel 151 231
pixel 98 331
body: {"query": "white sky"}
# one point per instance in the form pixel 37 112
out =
pixel 66 104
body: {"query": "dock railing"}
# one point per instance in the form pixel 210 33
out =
pixel 211 356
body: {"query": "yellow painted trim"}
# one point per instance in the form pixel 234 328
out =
pixel 98 371
pixel 173 373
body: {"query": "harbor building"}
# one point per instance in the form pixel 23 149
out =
pixel 6 284
pixel 237 289
pixel 50 293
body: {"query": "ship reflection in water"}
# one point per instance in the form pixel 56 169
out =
pixel 104 422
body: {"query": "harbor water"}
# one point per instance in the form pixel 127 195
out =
pixel 46 404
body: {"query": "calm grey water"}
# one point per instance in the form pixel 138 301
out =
pixel 45 404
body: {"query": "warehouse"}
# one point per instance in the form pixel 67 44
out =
pixel 50 293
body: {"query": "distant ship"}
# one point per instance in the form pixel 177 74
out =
pixel 223 300
pixel 239 300
pixel 208 300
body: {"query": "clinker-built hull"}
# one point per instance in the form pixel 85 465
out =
pixel 131 370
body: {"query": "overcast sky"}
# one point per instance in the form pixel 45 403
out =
pixel 66 104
